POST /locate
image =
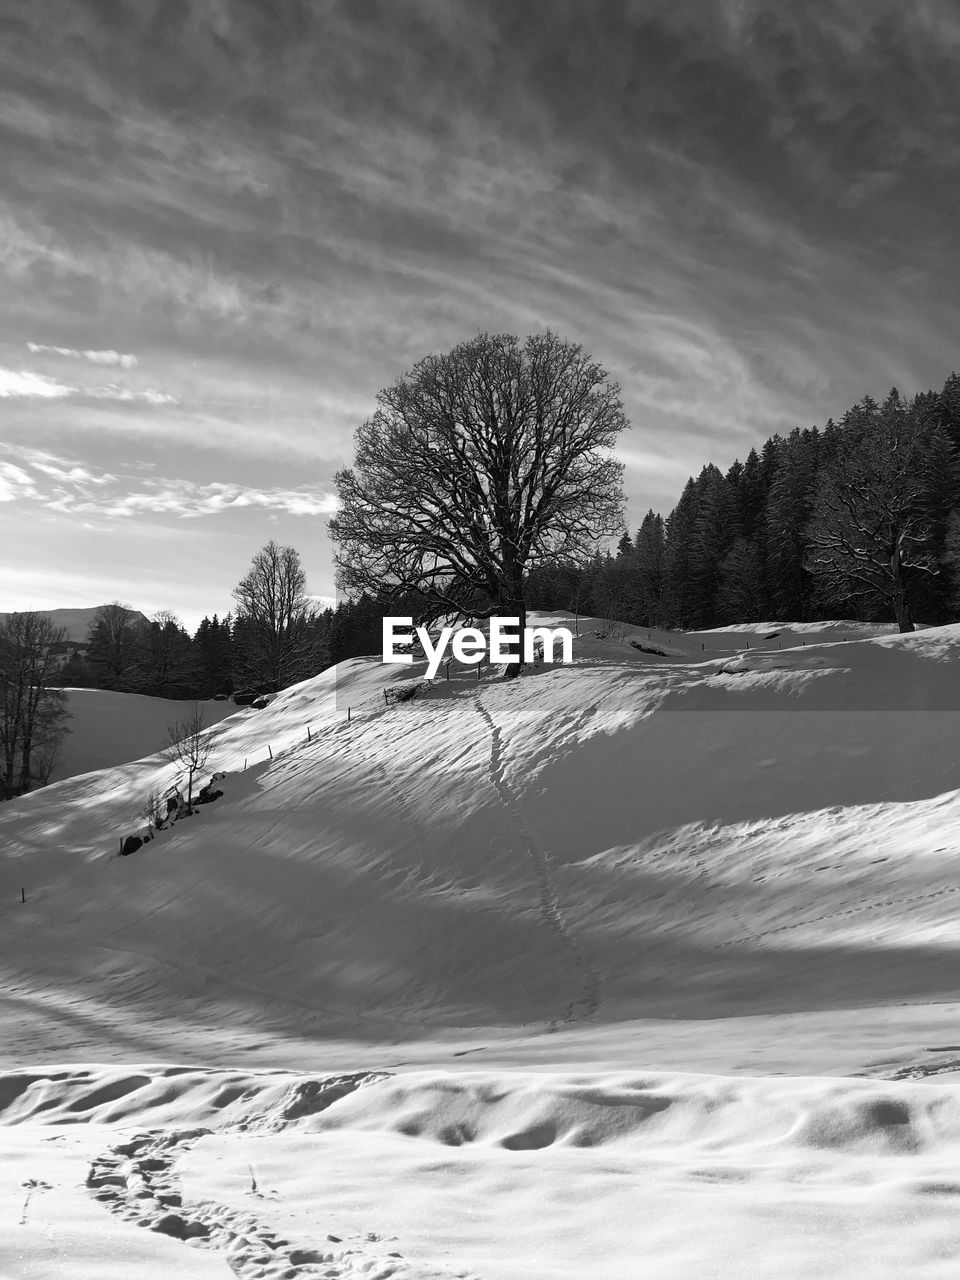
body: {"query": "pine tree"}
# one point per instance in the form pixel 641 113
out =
pixel 168 666
pixel 717 527
pixel 789 505
pixel 213 645
pixel 948 409
pixel 740 593
pixel 680 550
pixel 649 557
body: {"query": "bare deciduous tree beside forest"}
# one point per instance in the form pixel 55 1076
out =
pixel 869 531
pixel 477 466
pixel 32 714
pixel 275 632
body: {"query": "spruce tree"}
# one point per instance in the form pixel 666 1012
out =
pixel 649 558
pixel 680 550
pixel 740 595
pixel 717 526
pixel 789 505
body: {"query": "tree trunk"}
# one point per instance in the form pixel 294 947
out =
pixel 26 752
pixel 12 734
pixel 512 606
pixel 901 606
pixel 902 612
pixel 34 694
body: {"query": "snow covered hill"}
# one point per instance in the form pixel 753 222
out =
pixel 733 861
pixel 108 728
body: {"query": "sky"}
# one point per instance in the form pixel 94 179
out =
pixel 226 224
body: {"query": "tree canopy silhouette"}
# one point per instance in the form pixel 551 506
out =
pixel 477 466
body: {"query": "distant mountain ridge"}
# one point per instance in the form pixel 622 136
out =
pixel 76 621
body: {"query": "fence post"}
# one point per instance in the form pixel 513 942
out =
pixel 23 896
pixel 348 715
pixel 448 670
pixel 244 764
pixel 478 673
pixel 386 700
pixel 308 733
pixel 270 749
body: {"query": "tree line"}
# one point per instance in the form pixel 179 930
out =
pixel 484 484
pixel 859 518
pixel 259 648
pixel 276 636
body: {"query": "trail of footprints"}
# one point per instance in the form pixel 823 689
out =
pixel 587 1004
pixel 136 1180
pixel 836 915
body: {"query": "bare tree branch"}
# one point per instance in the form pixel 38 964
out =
pixel 189 744
pixel 868 530
pixel 477 466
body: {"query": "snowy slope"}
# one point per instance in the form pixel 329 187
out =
pixel 107 728
pixel 608 840
pixel 738 862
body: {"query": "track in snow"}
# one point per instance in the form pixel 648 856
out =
pixel 858 909
pixel 136 1180
pixel 551 913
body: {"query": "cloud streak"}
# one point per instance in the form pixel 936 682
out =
pixel 124 360
pixel 25 385
pixel 67 486
pixel 184 499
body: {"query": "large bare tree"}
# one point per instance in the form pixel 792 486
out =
pixel 32 714
pixel 275 630
pixel 869 532
pixel 477 466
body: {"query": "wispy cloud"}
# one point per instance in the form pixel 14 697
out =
pixel 15 483
pixel 127 395
pixel 123 359
pixel 64 471
pixel 24 384
pixel 65 485
pixel 183 498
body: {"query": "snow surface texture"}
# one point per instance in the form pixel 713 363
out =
pixel 563 977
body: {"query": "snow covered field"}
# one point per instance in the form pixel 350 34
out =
pixel 642 967
pixel 108 728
